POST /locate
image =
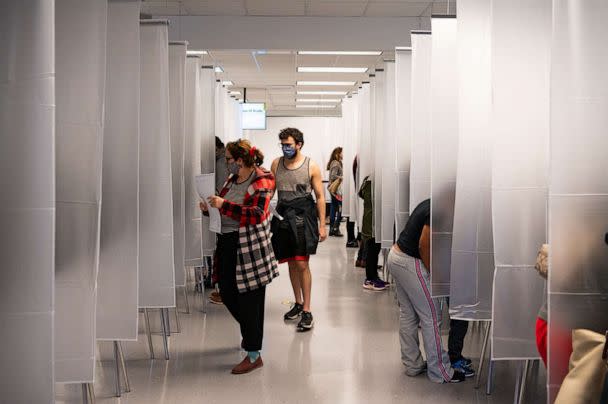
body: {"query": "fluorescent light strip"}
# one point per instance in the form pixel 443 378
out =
pixel 322 92
pixel 218 69
pixel 227 83
pixel 316 106
pixel 197 52
pixel 311 69
pixel 318 100
pixel 326 83
pixel 344 53
pixel 234 92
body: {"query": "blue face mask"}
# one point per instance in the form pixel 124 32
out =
pixel 289 151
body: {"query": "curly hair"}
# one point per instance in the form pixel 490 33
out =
pixel 334 156
pixel 294 133
pixel 242 149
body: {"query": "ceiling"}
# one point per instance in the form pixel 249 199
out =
pixel 270 77
pixel 300 8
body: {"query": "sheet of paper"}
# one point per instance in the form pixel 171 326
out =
pixel 205 186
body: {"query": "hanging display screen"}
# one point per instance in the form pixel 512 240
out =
pixel 254 116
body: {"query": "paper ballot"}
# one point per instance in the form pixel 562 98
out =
pixel 205 186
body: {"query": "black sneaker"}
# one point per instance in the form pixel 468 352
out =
pixel 352 244
pixel 457 377
pixel 295 312
pixel 306 322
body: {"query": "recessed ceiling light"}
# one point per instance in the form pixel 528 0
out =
pixel 345 53
pixel 322 92
pixel 326 83
pixel 327 69
pixel 316 106
pixel 197 52
pixel 218 69
pixel 318 100
pixel 227 83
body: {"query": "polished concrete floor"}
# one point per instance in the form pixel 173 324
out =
pixel 351 356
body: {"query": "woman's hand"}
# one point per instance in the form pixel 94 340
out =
pixel 203 206
pixel 215 201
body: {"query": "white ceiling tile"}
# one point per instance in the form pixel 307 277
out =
pixel 396 9
pixel 276 7
pixel 319 8
pixel 214 7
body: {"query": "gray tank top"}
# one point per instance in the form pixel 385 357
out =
pixel 293 184
pixel 235 194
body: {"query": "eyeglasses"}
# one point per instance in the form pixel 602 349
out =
pixel 229 158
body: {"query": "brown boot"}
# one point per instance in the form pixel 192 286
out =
pixel 246 366
pixel 215 298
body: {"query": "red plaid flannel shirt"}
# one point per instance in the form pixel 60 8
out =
pixel 256 264
pixel 255 207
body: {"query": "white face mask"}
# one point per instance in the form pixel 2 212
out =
pixel 233 168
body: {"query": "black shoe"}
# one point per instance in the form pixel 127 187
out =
pixel 458 377
pixel 306 322
pixel 352 244
pixel 295 312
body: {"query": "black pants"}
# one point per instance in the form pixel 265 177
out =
pixel 371 263
pixel 247 308
pixel 350 230
pixel 458 330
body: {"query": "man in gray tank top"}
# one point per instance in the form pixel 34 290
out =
pixel 295 237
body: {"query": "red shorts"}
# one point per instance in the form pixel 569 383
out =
pixel 296 258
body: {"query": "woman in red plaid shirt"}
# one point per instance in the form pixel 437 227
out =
pixel 246 262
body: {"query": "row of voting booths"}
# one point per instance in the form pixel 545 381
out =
pixel 105 124
pixel 498 117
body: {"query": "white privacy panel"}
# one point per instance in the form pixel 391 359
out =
pixel 388 158
pixel 117 281
pixel 444 148
pixel 177 89
pixel 420 169
pixel 349 151
pixel 80 35
pixel 378 135
pixel 156 264
pixel 27 200
pixel 207 159
pixel 520 35
pixel 472 265
pixel 365 166
pixel 578 209
pixel 403 136
pixel 192 161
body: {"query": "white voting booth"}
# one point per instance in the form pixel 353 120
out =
pixel 27 213
pixel 403 135
pixel 444 146
pixel 80 35
pixel 578 190
pixel 420 169
pixel 377 135
pixel 388 156
pixel 177 90
pixel 192 161
pixel 520 127
pixel 157 273
pixel 117 281
pixel 472 263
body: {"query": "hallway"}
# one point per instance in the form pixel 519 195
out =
pixel 351 356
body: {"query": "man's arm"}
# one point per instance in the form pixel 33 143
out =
pixel 424 246
pixel 317 186
pixel 273 167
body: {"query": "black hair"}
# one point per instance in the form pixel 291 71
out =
pixel 218 143
pixel 294 133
